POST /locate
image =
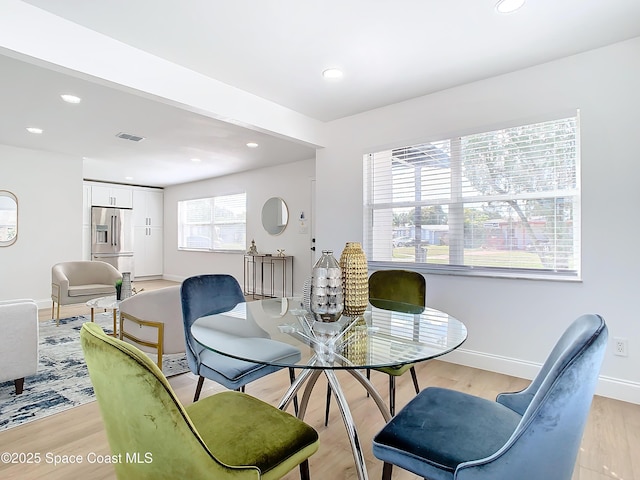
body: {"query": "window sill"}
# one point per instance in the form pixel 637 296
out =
pixel 208 250
pixel 431 269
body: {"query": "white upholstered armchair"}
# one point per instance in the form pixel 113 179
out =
pixel 80 281
pixel 152 321
pixel 19 341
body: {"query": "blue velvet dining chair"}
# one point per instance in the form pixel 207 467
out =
pixel 204 295
pixel 534 434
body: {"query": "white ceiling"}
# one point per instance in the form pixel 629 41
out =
pixel 389 51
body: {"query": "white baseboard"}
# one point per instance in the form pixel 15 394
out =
pixel 174 278
pixel 609 387
pixel 44 303
pixel 619 389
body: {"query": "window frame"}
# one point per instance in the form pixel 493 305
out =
pixel 369 207
pixel 211 224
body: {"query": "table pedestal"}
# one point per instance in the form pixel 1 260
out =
pixel 310 376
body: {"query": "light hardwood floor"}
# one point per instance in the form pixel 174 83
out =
pixel 609 450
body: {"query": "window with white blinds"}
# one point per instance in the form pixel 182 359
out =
pixel 503 202
pixel 214 223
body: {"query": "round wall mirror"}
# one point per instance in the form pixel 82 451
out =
pixel 275 216
pixel 8 218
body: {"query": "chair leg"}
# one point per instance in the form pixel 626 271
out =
pixel 304 470
pixel 368 378
pixel 19 383
pixel 415 379
pixel 392 395
pixel 386 471
pixel 292 378
pixel 198 388
pixel 326 410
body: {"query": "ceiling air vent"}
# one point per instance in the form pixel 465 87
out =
pixel 128 136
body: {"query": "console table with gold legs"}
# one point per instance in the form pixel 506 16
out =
pixel 264 272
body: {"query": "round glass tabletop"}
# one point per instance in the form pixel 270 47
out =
pixel 388 334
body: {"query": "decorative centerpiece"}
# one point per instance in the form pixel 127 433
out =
pixel 326 301
pixel 356 342
pixel 355 279
pixel 126 285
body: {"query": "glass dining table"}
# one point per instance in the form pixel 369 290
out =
pixel 388 334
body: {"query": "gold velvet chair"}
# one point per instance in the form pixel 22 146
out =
pixel 226 435
pixel 397 290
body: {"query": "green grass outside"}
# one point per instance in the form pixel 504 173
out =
pixel 477 257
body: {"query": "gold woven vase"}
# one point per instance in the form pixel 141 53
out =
pixel 355 279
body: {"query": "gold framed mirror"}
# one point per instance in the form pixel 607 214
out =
pixel 8 218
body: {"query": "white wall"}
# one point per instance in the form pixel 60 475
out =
pixel 291 182
pixel 512 324
pixel 49 191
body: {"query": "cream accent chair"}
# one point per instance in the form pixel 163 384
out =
pixel 152 321
pixel 81 281
pixel 19 341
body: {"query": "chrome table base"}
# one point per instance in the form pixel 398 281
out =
pixel 310 376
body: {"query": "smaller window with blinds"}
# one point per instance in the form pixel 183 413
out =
pixel 504 202
pixel 213 224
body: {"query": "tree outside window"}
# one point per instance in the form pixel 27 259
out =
pixel 505 200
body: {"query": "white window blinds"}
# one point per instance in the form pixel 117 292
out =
pixel 214 223
pixel 503 202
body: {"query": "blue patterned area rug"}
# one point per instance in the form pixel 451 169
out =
pixel 62 380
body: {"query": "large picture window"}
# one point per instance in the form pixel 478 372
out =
pixel 502 202
pixel 215 223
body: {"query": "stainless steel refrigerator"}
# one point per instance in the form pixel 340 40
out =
pixel 112 237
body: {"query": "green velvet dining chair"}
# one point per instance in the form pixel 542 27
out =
pixel 226 435
pixel 399 290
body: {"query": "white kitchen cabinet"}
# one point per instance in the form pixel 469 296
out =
pixel 148 211
pixel 148 207
pixel 86 242
pixel 147 251
pixel 106 195
pixel 86 222
pixel 86 204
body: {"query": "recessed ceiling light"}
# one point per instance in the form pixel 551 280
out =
pixel 128 178
pixel 34 130
pixel 70 98
pixel 508 6
pixel 252 145
pixel 332 73
pixel 195 160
